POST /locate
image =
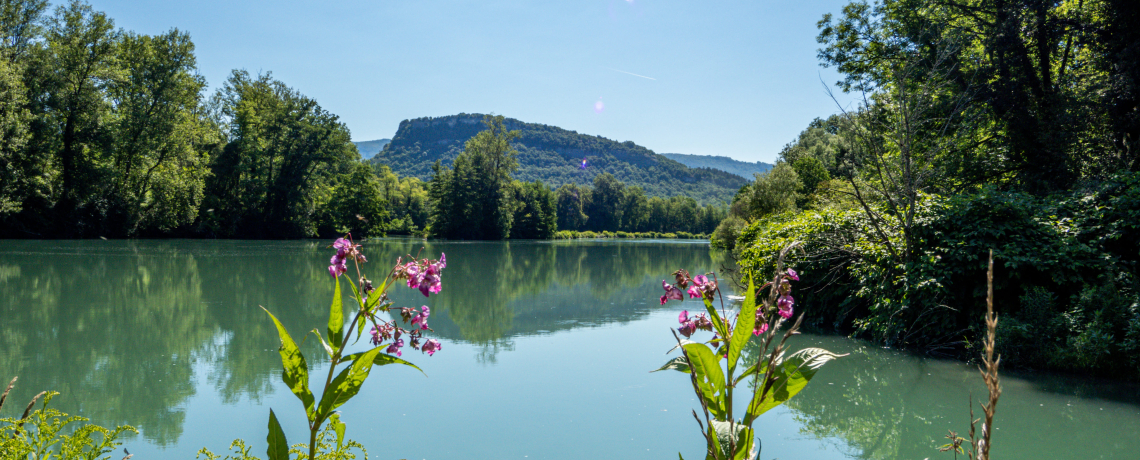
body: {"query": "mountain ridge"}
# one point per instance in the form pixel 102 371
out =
pixel 369 149
pixel 554 155
pixel 743 169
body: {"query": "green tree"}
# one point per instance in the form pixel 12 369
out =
pixel 634 210
pixel 68 81
pixel 283 154
pixel 357 205
pixel 569 198
pixel 605 205
pixel 811 173
pixel 535 212
pixel 473 199
pixel 775 191
pixel 14 136
pixel 161 140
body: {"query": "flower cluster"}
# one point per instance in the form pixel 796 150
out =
pixel 697 287
pixel 423 274
pixel 690 325
pixel 345 250
pixel 389 331
pixel 783 303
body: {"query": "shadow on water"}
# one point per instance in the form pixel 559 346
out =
pixel 120 328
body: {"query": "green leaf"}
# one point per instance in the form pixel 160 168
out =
pixel 790 375
pixel 278 447
pixel 346 384
pixel 372 301
pixel 336 318
pixel 730 435
pixel 295 370
pixel 744 325
pixel 359 329
pixel 718 323
pixel 384 359
pixel 677 363
pixel 751 370
pixel 709 376
pixel 328 349
pixel 338 426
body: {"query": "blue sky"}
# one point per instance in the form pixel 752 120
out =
pixel 733 78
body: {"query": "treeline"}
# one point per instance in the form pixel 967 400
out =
pixel 106 132
pixel 476 198
pixel 1009 126
pixel 110 133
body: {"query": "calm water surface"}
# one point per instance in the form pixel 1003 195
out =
pixel 547 348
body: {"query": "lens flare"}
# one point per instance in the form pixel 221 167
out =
pixel 599 106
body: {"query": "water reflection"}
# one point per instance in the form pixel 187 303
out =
pixel 882 404
pixel 119 327
pixel 131 331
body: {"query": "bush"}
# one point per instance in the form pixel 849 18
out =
pixel 1065 273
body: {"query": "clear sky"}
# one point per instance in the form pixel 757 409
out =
pixel 712 77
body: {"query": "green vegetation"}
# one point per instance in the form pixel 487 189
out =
pixel 740 168
pixel 110 133
pixel 46 433
pixel 553 155
pixel 1004 126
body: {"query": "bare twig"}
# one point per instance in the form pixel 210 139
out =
pixel 5 396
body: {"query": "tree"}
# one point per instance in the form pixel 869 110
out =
pixel 606 203
pixel 535 211
pixel 473 199
pixel 774 191
pixel 280 161
pixel 160 139
pixel 358 205
pixel 68 83
pixel 634 210
pixel 811 173
pixel 569 198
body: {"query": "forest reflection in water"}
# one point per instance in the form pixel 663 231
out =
pixel 130 332
pixel 118 326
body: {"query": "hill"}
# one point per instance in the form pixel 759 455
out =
pixel 740 168
pixel 553 155
pixel 369 149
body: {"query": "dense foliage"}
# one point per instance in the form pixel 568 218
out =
pixel 986 125
pixel 554 156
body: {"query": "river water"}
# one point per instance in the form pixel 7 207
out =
pixel 546 353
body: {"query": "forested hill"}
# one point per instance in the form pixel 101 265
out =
pixel 368 149
pixel 554 156
pixel 740 168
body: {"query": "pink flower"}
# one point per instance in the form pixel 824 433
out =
pixel 694 291
pixel 793 275
pixel 784 303
pixel 431 346
pixel 683 317
pixel 761 327
pixel 688 329
pixel 670 292
pixel 422 318
pixel 701 280
pixel 395 347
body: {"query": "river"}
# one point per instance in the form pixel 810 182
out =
pixel 547 348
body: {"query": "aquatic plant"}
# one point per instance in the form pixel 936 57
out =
pixel 776 377
pixel 40 433
pixel 387 338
